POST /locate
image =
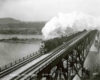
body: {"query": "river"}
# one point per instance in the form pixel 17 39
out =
pixel 10 52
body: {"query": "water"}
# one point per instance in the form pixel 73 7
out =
pixel 10 52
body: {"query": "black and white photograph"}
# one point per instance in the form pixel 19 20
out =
pixel 49 39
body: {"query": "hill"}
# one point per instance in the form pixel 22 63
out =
pixel 8 20
pixel 12 26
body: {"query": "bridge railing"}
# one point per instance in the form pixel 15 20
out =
pixel 17 61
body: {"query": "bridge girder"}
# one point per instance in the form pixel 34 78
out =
pixel 75 57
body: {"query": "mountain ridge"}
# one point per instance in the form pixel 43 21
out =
pixel 8 20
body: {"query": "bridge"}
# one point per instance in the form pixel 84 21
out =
pixel 62 63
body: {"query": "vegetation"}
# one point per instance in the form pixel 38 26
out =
pixel 18 40
pixel 22 28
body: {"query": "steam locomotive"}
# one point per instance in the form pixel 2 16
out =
pixel 48 45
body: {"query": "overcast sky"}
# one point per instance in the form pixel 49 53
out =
pixel 44 10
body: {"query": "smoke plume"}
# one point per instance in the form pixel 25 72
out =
pixel 63 24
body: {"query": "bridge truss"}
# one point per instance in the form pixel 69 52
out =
pixel 71 64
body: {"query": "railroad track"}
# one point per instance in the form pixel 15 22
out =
pixel 36 67
pixel 15 67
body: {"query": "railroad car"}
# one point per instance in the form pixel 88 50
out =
pixel 48 45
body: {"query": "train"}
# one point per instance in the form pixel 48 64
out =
pixel 48 45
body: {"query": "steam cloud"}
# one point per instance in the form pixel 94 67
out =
pixel 63 24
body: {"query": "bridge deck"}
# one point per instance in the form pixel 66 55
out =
pixel 18 71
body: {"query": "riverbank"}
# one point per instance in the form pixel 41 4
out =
pixel 20 40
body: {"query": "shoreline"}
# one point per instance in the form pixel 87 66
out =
pixel 18 40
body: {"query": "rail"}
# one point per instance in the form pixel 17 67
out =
pixel 18 63
pixel 55 53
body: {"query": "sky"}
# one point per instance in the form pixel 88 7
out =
pixel 44 10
